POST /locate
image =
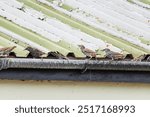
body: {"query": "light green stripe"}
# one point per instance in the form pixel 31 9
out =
pixel 124 45
pixel 19 50
pixel 32 36
pixel 145 1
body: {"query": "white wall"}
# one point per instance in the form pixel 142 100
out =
pixel 72 90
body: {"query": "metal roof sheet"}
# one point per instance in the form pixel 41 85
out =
pixel 58 27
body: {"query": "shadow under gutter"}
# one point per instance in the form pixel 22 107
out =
pixel 76 70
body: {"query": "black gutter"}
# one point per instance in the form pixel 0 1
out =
pixel 74 70
pixel 6 63
pixel 76 75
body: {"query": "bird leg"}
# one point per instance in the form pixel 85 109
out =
pixel 90 58
pixel 85 67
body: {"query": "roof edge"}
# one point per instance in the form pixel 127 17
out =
pixel 6 63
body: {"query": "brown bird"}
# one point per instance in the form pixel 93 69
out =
pixel 89 53
pixel 140 58
pixel 6 51
pixel 113 55
pixel 35 52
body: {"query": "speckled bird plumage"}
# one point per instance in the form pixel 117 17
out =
pixel 89 53
pixel 35 52
pixel 113 55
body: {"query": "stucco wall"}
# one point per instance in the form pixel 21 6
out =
pixel 72 90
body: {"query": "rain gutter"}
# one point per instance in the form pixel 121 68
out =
pixel 74 70
pixel 6 63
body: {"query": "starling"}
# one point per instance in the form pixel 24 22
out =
pixel 35 52
pixel 113 55
pixel 58 55
pixel 140 58
pixel 6 51
pixel 89 53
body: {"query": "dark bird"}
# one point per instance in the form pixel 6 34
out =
pixel 113 55
pixel 35 52
pixel 89 53
pixel 58 55
pixel 6 51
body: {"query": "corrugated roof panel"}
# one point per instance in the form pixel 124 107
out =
pixel 19 50
pixel 62 25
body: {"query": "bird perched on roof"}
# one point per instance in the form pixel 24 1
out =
pixel 58 55
pixel 140 58
pixel 113 55
pixel 89 53
pixel 35 52
pixel 6 51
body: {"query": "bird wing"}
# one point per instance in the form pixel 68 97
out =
pixel 88 50
pixel 117 55
pixel 3 49
pixel 7 49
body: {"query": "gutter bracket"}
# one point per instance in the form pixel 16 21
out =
pixel 4 64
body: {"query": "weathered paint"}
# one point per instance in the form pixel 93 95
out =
pixel 52 26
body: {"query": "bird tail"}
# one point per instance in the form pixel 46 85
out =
pixel 12 48
pixel 98 54
pixel 96 50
